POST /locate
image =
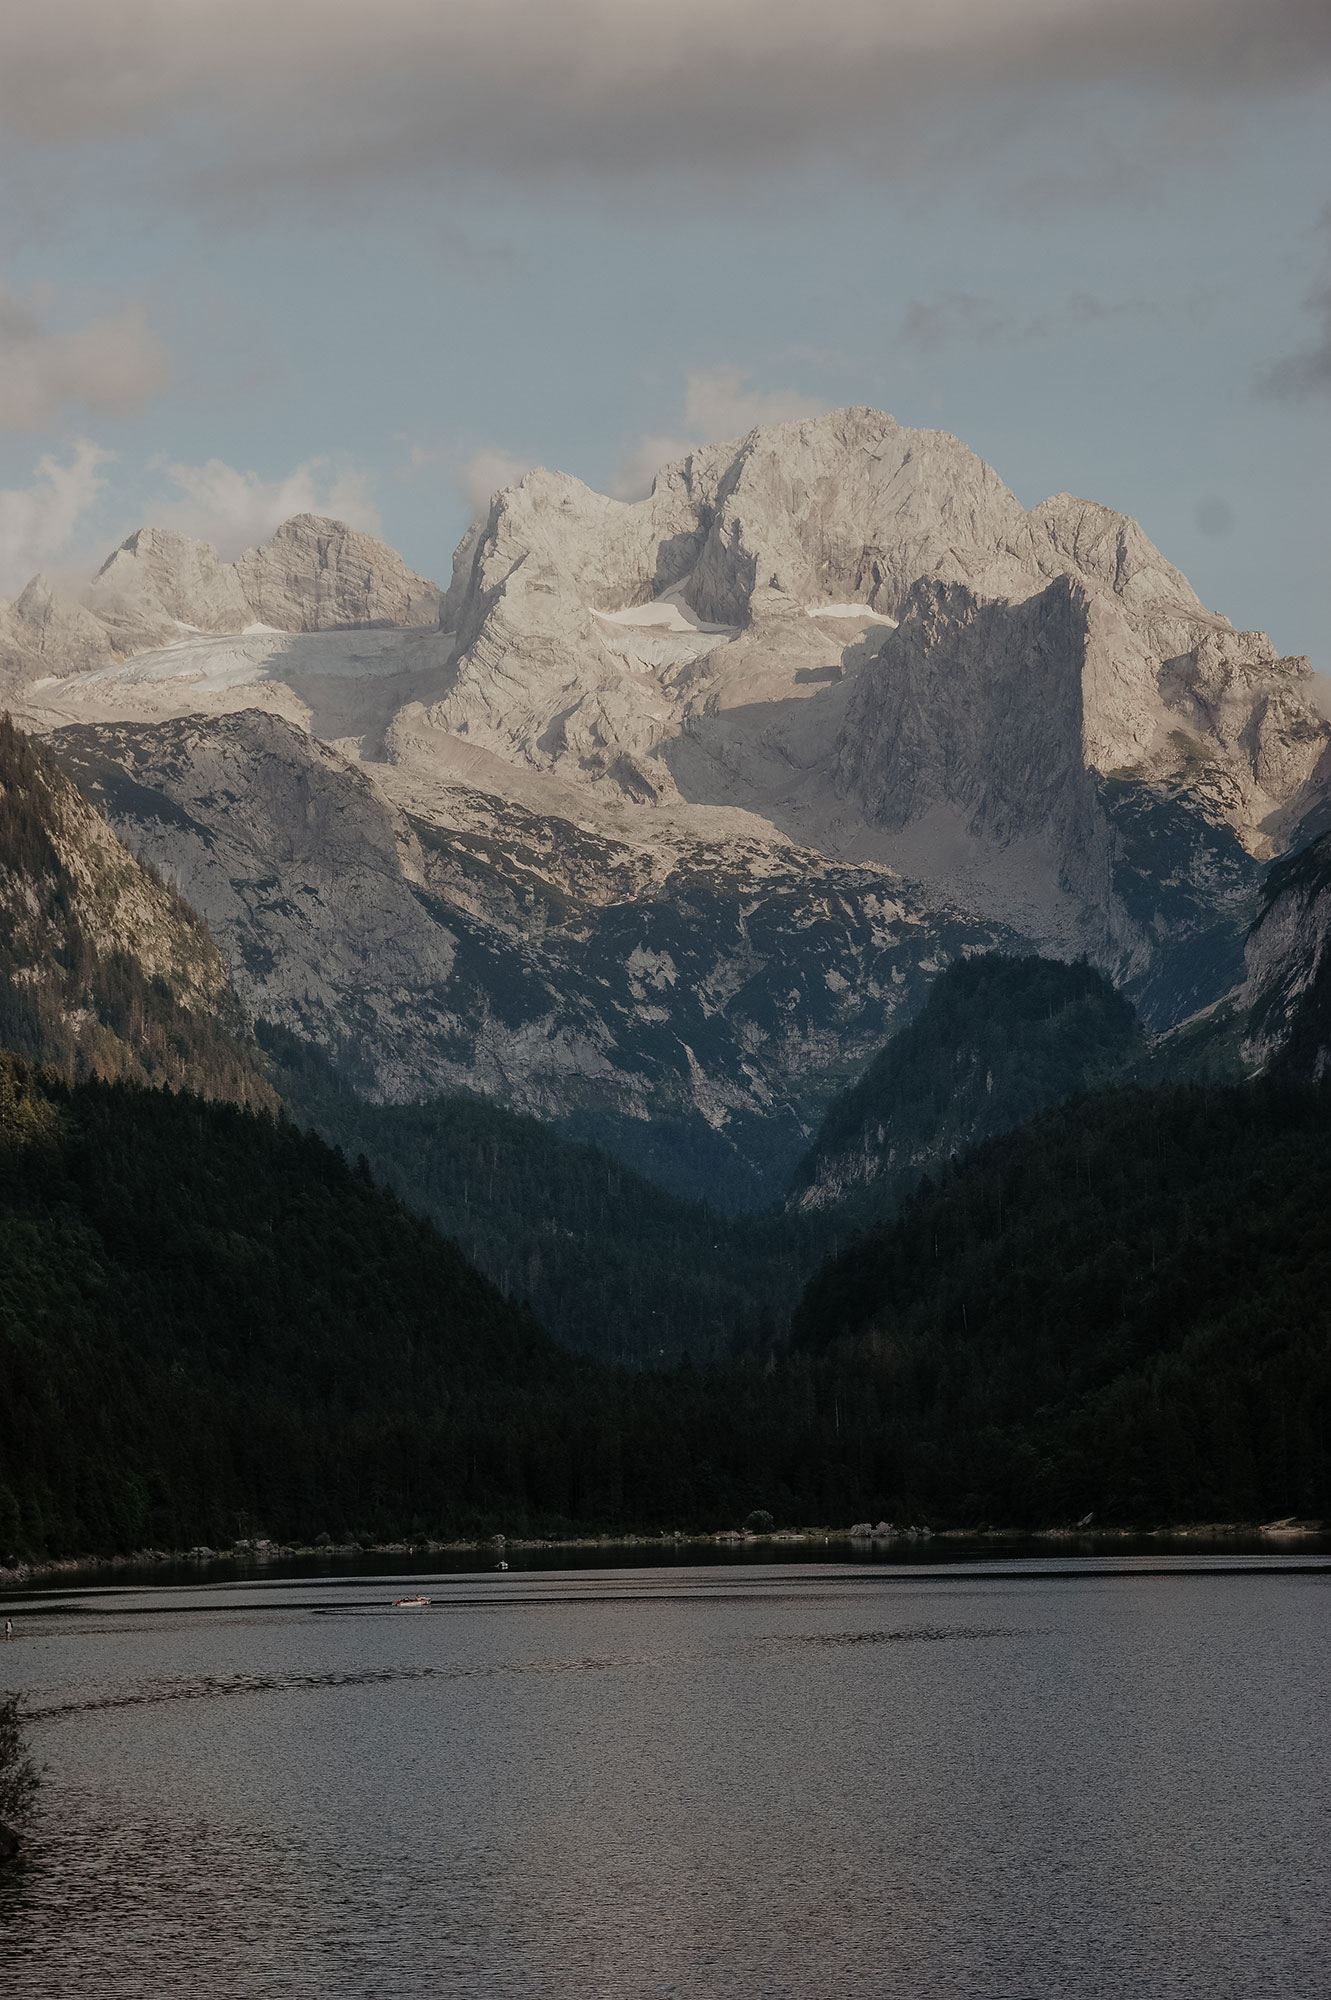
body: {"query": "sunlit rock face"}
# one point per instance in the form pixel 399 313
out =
pixel 691 1002
pixel 313 576
pixel 854 631
pixel 831 668
pixel 103 970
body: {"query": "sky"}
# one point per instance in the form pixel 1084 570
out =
pixel 375 260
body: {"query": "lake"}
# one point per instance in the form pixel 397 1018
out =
pixel 1015 1780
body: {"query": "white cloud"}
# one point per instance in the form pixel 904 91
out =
pixel 236 510
pixel 419 457
pixel 633 476
pixel 719 404
pixel 37 522
pixel 481 476
pixel 110 366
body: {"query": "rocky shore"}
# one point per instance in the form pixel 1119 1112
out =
pixel 249 1553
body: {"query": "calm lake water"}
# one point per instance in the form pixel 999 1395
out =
pixel 1013 1781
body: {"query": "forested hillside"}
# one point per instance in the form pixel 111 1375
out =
pixel 210 1324
pixel 1125 1307
pixel 104 971
pixel 208 1319
pixel 609 1262
pixel 997 1040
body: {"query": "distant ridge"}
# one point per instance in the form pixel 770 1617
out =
pixel 998 1039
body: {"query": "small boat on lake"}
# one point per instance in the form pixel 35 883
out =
pixel 410 1603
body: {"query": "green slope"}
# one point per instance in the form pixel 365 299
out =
pixel 211 1324
pixel 1124 1307
pixel 610 1263
pixel 208 1319
pixel 997 1040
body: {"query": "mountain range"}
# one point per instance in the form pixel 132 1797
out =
pixel 664 816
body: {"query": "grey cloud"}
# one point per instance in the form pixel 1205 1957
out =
pixel 956 318
pixel 1308 371
pixel 1085 309
pixel 967 320
pixel 110 365
pixel 1214 516
pixel 253 102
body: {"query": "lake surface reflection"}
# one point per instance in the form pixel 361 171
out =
pixel 1042 1781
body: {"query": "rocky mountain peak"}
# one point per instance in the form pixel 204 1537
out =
pixel 314 575
pixel 158 580
pixel 45 631
pixel 743 551
pixel 1112 553
pixel 853 506
pixel 691 795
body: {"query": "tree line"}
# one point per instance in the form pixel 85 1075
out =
pixel 212 1324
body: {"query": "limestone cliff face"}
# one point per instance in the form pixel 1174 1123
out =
pixel 848 510
pixel 854 507
pixel 824 671
pixel 1052 718
pixel 44 632
pixel 976 704
pixel 158 580
pixel 313 576
pixel 316 574
pixel 730 642
pixel 566 654
pixel 692 1003
pixel 103 969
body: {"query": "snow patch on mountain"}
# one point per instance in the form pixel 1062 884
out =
pixel 827 670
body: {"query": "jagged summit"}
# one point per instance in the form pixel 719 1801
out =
pixel 777 547
pixel 851 507
pixel 729 642
pixel 832 673
pixel 313 575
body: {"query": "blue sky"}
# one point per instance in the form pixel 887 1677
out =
pixel 259 258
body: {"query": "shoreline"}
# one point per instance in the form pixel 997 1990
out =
pixel 260 1552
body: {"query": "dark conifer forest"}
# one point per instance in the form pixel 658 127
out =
pixel 997 1040
pixel 609 1262
pixel 212 1325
